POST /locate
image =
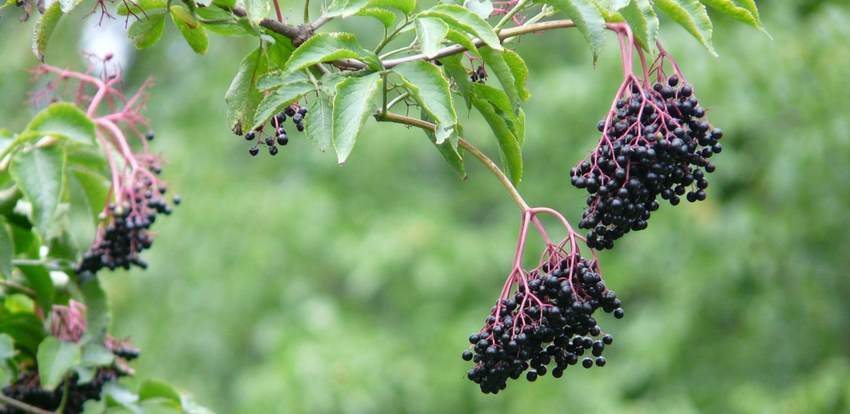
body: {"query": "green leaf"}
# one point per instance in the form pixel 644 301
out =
pixel 39 174
pixel 279 99
pixel 462 19
pixel 38 279
pixel 96 355
pixel 64 120
pixel 405 6
pixel 747 13
pixel 352 105
pixel 7 249
pixel 44 28
pixel 386 17
pixel 55 358
pixel 463 40
pixel 431 32
pixel 691 15
pixel 347 8
pixel 326 47
pixel 157 389
pixel 447 150
pixel 640 15
pixel 496 61
pixel 140 5
pixel 95 187
pixel 257 9
pixel 97 309
pixel 191 28
pixel 25 328
pixel 431 90
pixel 146 31
pixel 482 8
pixel 7 347
pixel 242 96
pixel 494 113
pixel 277 79
pixel 225 3
pixel 319 125
pixel 68 5
pixel 519 71
pixel 457 72
pixel 588 20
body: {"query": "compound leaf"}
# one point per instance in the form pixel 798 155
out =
pixel 351 107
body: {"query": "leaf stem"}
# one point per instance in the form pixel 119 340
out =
pixel 387 39
pixel 306 11
pixel 22 405
pixel 66 389
pixel 466 145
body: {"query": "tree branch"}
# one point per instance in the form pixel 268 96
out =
pixel 466 145
pixel 22 405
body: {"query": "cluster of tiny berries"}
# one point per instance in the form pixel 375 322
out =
pixel 478 75
pixel 28 390
pixel 549 321
pixel 124 230
pixel 279 137
pixel 655 143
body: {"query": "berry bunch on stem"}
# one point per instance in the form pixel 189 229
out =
pixel 136 195
pixel 279 136
pixel 655 142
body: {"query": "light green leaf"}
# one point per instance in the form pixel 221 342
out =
pixel 96 355
pixel 257 9
pixel 97 310
pixel 64 120
pixel 448 150
pixel 747 12
pixel 277 79
pixel 490 102
pixel 55 358
pixel 640 15
pixel 279 99
pixel 38 279
pixel 326 47
pixel 242 96
pixel 191 28
pixel 482 8
pixel 352 105
pixel 7 347
pixel 431 32
pixel 95 187
pixel 519 71
pixel 319 125
pixel 146 31
pixel 462 19
pixel 44 29
pixel 496 61
pixel 68 5
pixel 691 15
pixel 158 389
pixel 39 174
pixel 405 6
pixel 457 72
pixel 431 90
pixel 463 40
pixel 7 249
pixel 386 17
pixel 588 20
pixel 137 6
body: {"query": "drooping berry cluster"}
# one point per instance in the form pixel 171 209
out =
pixel 28 390
pixel 124 231
pixel 546 322
pixel 479 74
pixel 655 142
pixel 279 137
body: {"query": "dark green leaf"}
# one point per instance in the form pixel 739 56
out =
pixel 55 359
pixel 457 72
pixel 7 249
pixel 747 12
pixel 319 125
pixel 191 28
pixel 462 19
pixel 640 15
pixel 242 96
pixel 353 103
pixel 277 79
pixel 691 15
pixel 38 279
pixel 386 17
pixel 496 61
pixel 65 120
pixel 279 99
pixel 97 309
pixel 25 328
pixel 431 90
pixel 431 32
pixel 326 47
pixel 588 20
pixel 448 151
pixel 39 174
pixel 146 31
pixel 498 119
pixel 44 29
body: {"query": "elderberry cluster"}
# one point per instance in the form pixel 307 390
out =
pixel 478 75
pixel 656 143
pixel 279 135
pixel 28 390
pixel 124 233
pixel 549 322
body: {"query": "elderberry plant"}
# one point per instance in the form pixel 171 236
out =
pixel 438 58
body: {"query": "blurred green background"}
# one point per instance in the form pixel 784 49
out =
pixel 291 284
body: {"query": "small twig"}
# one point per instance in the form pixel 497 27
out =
pixel 17 286
pixel 22 405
